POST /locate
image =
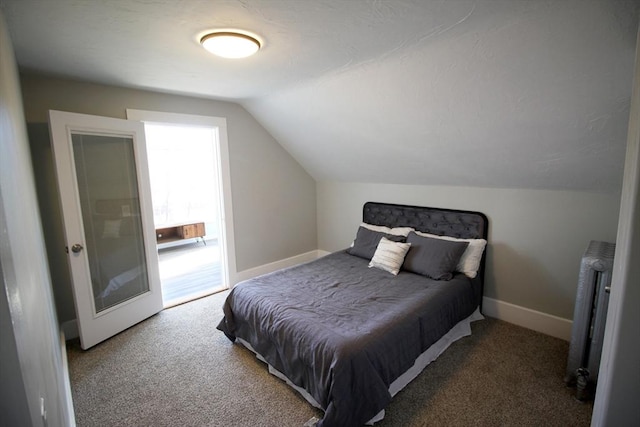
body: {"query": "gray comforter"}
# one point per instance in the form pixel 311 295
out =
pixel 342 331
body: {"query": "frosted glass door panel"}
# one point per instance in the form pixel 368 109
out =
pixel 108 191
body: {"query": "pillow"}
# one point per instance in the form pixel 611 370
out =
pixel 470 260
pixel 434 258
pixel 389 255
pixel 396 231
pixel 367 241
pixel 111 228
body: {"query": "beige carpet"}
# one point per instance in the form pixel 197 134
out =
pixel 176 369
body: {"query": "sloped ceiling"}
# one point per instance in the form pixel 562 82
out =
pixel 492 93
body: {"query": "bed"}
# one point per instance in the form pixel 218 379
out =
pixel 351 329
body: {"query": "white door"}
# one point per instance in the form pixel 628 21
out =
pixel 103 178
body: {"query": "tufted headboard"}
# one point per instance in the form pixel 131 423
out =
pixel 443 222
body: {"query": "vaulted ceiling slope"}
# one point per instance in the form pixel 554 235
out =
pixel 492 93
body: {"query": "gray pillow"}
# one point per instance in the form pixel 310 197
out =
pixel 434 258
pixel 367 241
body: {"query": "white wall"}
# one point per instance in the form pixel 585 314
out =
pixel 273 197
pixel 536 237
pixel 32 362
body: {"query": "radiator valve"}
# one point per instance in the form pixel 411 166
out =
pixel 582 383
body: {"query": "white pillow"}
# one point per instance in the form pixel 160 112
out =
pixel 396 231
pixel 111 228
pixel 470 260
pixel 389 255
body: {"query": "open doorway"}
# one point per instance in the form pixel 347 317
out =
pixel 185 190
pixel 187 161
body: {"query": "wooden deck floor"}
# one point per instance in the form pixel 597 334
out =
pixel 190 271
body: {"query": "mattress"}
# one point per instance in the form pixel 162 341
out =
pixel 344 332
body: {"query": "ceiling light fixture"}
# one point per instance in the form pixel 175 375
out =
pixel 230 44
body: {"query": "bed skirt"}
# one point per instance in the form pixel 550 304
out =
pixel 460 330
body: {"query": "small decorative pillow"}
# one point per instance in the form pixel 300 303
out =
pixel 389 255
pixel 434 258
pixel 367 241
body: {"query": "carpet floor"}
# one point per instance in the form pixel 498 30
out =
pixel 176 369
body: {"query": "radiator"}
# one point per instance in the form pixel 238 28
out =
pixel 590 313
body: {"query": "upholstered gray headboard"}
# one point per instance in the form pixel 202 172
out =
pixel 443 222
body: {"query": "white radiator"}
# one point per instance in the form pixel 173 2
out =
pixel 589 316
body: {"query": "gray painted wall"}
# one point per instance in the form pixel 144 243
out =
pixel 536 237
pixel 32 361
pixel 274 211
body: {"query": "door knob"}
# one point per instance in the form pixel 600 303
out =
pixel 76 248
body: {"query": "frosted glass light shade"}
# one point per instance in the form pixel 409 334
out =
pixel 230 45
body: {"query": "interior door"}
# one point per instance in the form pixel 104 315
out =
pixel 103 179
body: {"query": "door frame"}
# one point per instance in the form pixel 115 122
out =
pixel 228 252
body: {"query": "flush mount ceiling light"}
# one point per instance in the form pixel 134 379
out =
pixel 230 44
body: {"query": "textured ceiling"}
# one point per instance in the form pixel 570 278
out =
pixel 512 93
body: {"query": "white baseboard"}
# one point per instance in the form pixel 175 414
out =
pixel 527 318
pixel 69 414
pixel 277 265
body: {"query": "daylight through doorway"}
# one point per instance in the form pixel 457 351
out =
pixel 185 190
